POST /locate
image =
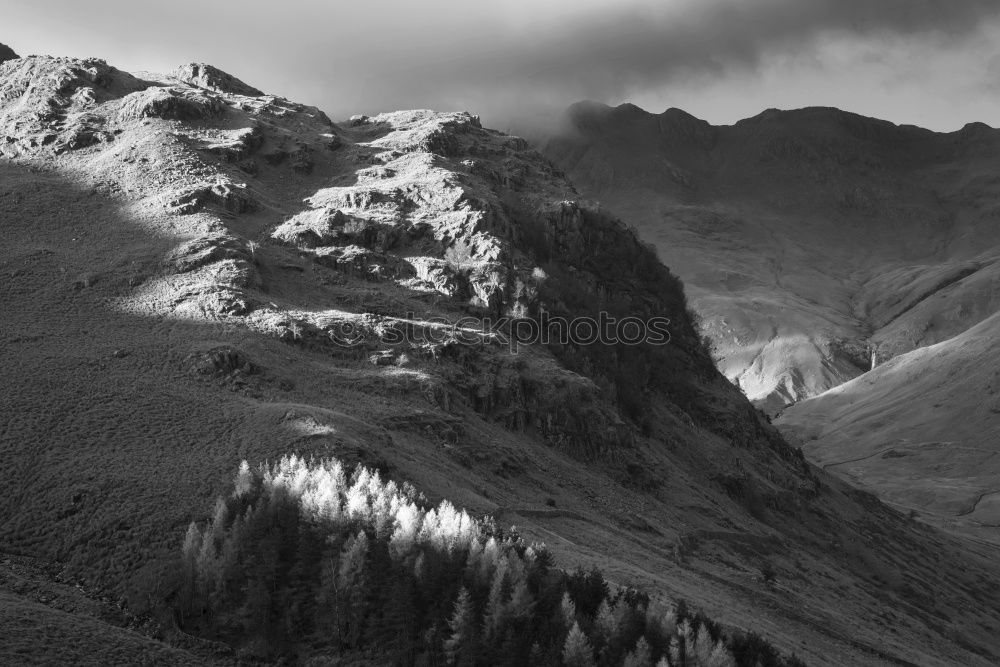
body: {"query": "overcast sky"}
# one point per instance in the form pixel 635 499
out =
pixel 934 63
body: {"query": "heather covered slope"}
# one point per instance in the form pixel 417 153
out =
pixel 181 254
pixel 808 240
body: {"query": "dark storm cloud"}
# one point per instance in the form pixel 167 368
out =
pixel 609 53
pixel 506 60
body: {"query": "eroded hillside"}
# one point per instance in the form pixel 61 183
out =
pixel 184 259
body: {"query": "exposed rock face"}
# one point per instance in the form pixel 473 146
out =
pixel 213 78
pixel 289 284
pixel 169 104
pixel 50 102
pixel 7 53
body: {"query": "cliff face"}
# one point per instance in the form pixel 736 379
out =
pixel 198 273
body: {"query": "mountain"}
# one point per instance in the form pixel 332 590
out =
pixel 818 245
pixel 812 242
pixel 197 274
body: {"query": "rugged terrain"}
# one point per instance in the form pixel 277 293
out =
pixel 815 246
pixel 813 242
pixel 921 430
pixel 182 260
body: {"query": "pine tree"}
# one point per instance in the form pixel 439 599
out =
pixel 459 647
pixel 676 652
pixel 703 646
pixel 661 624
pixel 408 522
pixel 229 559
pixel 192 544
pixel 189 573
pixel 488 561
pixel 207 563
pixel 641 656
pixel 392 632
pixel 536 656
pixel 577 651
pixel 472 560
pixel 567 611
pixel 721 656
pixel 496 607
pixel 604 624
pixel 686 637
pixel 351 581
pixel 522 602
pixel 255 615
pixel 325 620
pixel 243 483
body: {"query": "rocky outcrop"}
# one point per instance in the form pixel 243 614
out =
pixel 170 104
pixel 213 78
pixel 205 250
pixel 237 145
pixel 365 263
pixel 50 103
pixel 226 195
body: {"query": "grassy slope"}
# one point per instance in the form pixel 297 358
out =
pixel 46 621
pixel 921 429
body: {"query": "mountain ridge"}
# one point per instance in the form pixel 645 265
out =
pixel 726 204
pixel 819 245
pixel 575 109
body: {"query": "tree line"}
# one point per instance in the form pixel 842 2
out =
pixel 307 559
